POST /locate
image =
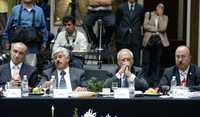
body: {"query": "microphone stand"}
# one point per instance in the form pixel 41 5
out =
pixel 100 49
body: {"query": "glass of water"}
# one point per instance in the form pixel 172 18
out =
pixel 114 86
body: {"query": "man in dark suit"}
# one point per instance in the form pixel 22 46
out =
pixel 186 73
pixel 14 71
pixel 126 72
pixel 66 77
pixel 129 21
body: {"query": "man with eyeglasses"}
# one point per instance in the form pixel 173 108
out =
pixel 186 74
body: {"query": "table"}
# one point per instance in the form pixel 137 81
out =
pixel 36 106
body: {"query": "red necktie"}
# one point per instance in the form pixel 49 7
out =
pixel 184 80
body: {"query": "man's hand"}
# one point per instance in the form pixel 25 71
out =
pixel 128 72
pixel 16 81
pixel 122 69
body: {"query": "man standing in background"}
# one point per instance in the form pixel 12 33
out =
pixel 100 9
pixel 129 21
pixel 30 16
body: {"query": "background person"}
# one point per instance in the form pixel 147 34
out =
pixel 129 21
pixel 28 18
pixel 72 39
pixel 155 37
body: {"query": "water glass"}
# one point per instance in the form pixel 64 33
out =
pixel 114 86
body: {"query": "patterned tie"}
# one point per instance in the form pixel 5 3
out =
pixel 124 83
pixel 62 80
pixel 15 70
pixel 184 80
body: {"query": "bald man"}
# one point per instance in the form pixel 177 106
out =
pixel 186 73
pixel 126 72
pixel 14 71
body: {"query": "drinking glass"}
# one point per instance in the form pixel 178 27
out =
pixel 114 86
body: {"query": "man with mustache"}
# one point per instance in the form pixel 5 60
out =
pixel 66 77
pixel 186 74
pixel 127 72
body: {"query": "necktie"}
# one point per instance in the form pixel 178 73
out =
pixel 15 70
pixel 183 80
pixel 124 82
pixel 62 80
pixel 131 9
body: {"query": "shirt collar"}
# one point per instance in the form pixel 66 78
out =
pixel 73 34
pixel 66 70
pixel 129 4
pixel 12 64
pixel 33 7
pixel 186 71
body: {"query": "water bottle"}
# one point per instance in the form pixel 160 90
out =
pixel 173 84
pixel 24 86
pixel 131 88
pixel 53 84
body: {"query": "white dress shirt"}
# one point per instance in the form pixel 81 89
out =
pixel 129 5
pixel 183 74
pixel 15 69
pixel 67 78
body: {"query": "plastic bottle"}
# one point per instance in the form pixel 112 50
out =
pixel 173 82
pixel 53 84
pixel 24 86
pixel 131 88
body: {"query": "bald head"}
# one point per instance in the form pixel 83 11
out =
pixel 183 57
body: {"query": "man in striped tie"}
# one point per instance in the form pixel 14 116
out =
pixel 66 77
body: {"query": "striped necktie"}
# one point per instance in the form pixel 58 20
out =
pixel 62 80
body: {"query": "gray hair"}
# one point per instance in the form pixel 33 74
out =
pixel 124 50
pixel 62 50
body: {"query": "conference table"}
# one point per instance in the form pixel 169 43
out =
pixel 145 106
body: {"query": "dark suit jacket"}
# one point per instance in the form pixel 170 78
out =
pixel 5 74
pixel 125 21
pixel 76 76
pixel 193 76
pixel 140 82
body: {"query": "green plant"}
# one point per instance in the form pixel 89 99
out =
pixel 95 85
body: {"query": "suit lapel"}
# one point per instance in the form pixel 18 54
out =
pixel 72 78
pixel 190 76
pixel 7 73
pixel 177 76
pixel 22 71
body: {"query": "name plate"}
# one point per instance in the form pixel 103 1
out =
pixel 13 93
pixel 121 93
pixel 61 93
